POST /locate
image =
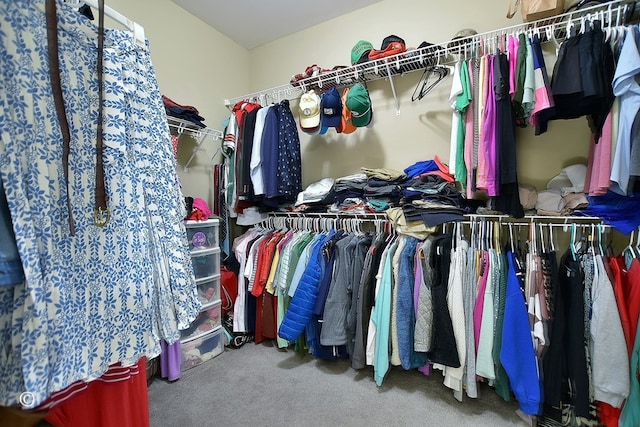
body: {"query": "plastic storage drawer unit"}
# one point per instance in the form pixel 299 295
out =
pixel 206 262
pixel 203 234
pixel 208 289
pixel 209 319
pixel 201 348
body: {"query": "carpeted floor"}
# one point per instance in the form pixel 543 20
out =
pixel 259 385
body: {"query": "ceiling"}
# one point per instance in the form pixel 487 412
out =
pixel 268 20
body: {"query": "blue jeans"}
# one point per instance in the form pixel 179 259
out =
pixel 10 265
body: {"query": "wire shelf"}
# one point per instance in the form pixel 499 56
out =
pixel 613 14
pixel 181 126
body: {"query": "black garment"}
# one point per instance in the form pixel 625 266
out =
pixel 565 365
pixel 443 347
pixel 251 301
pixel 554 363
pixel 244 185
pixel 581 81
pixel 432 216
pixel 508 201
pixel 505 122
pixel 359 258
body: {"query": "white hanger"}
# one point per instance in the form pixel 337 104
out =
pixel 511 238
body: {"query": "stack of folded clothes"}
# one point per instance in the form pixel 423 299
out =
pixel 350 187
pixel 437 207
pixel 422 185
pixel 185 112
pixel 383 187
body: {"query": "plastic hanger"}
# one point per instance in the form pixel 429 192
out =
pixel 636 248
pixel 511 238
pixel 629 250
pixel 572 243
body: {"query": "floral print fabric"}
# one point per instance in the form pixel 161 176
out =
pixel 108 294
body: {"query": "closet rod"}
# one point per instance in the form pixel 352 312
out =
pixel 614 12
pixel 565 219
pixel 562 220
pixel 544 224
pixel 338 215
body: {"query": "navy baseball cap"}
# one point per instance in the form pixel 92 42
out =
pixel 330 109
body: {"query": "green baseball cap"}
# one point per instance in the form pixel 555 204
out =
pixel 360 52
pixel 359 103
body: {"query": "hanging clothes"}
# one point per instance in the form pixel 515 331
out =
pixel 627 89
pixel 381 316
pixel 608 342
pixel 409 358
pixel 517 354
pixel 455 302
pixel 443 348
pixel 543 95
pixel 581 83
pixel 508 199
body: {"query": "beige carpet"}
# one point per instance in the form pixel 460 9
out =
pixel 259 385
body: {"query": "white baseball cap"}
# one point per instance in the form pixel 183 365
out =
pixel 309 111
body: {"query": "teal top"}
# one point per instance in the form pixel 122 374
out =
pixel 630 416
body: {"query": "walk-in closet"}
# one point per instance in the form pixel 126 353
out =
pixel 290 214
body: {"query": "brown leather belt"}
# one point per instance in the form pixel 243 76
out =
pixel 101 212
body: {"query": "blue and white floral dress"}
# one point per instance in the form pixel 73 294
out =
pixel 108 294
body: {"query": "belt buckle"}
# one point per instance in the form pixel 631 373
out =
pixel 101 216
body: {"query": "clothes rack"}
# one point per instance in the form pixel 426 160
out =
pixel 322 221
pixel 613 13
pixel 181 126
pixel 136 29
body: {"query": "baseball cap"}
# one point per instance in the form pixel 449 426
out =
pixel 360 52
pixel 309 111
pixel 391 45
pixel 359 103
pixel 330 109
pixel 347 125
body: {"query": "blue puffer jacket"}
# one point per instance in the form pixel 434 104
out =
pixel 302 304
